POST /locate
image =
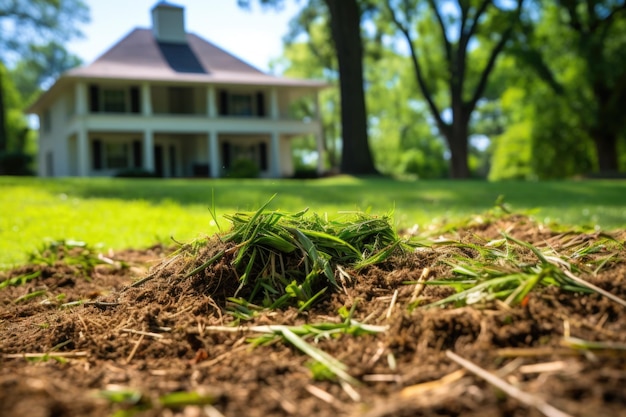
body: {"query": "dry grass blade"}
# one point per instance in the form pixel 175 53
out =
pixel 528 399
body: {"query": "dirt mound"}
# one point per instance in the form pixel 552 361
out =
pixel 78 340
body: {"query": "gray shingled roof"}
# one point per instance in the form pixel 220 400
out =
pixel 139 56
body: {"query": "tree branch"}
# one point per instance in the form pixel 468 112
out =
pixel 606 22
pixel 574 21
pixel 446 41
pixel 418 69
pixel 482 84
pixel 481 10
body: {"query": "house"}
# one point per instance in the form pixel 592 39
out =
pixel 169 102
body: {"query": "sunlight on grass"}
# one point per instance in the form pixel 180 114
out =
pixel 122 213
pixel 31 216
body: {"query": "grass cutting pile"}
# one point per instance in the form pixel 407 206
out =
pixel 295 314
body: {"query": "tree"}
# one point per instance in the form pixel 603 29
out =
pixel 345 19
pixel 24 24
pixel 461 25
pixel 315 57
pixel 568 95
pixel 598 35
pixel 39 66
pixel 401 136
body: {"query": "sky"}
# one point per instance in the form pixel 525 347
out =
pixel 253 35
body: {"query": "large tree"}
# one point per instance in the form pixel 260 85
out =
pixel 598 37
pixel 345 24
pixel 25 24
pixel 569 84
pixel 462 24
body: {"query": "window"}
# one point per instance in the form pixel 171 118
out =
pixel 116 155
pixel 241 105
pixel 114 100
pixel 181 100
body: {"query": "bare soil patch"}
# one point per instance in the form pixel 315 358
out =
pixel 89 334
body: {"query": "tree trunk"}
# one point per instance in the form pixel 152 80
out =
pixel 606 149
pixel 345 19
pixel 457 137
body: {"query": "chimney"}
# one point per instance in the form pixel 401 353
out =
pixel 168 23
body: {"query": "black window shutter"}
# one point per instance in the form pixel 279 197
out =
pixel 134 99
pixel 226 155
pixel 94 98
pixel 96 154
pixel 260 104
pixel 223 103
pixel 137 154
pixel 263 152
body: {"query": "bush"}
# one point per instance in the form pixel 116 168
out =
pixel 16 163
pixel 135 173
pixel 243 168
pixel 305 173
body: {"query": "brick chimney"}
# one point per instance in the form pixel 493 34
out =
pixel 168 23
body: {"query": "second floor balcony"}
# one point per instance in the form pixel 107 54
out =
pixel 270 103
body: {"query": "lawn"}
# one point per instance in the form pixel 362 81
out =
pixel 121 213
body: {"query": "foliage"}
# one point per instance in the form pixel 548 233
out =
pixel 462 71
pixel 24 24
pixel 69 252
pixel 135 173
pixel 38 66
pixel 16 163
pixel 243 168
pixel 314 59
pixel 569 63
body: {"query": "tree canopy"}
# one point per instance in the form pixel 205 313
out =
pixel 504 88
pixel 31 48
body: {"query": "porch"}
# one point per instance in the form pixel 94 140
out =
pixel 170 155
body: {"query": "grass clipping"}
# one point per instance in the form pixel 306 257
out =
pixel 282 259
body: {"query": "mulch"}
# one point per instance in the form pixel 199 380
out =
pixel 90 336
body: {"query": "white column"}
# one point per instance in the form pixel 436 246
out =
pixel 319 134
pixel 148 150
pixel 316 104
pixel 321 153
pixel 81 98
pixel 274 111
pixel 275 170
pixel 214 157
pixel 82 150
pixel 146 99
pixel 211 108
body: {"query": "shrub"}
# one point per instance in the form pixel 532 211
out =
pixel 16 163
pixel 243 168
pixel 135 173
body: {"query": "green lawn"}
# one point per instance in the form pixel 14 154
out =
pixel 119 213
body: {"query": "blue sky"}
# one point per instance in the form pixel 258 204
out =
pixel 254 36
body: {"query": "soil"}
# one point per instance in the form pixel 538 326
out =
pixel 155 339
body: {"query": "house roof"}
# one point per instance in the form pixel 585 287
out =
pixel 140 57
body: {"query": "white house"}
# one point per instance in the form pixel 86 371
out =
pixel 172 103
